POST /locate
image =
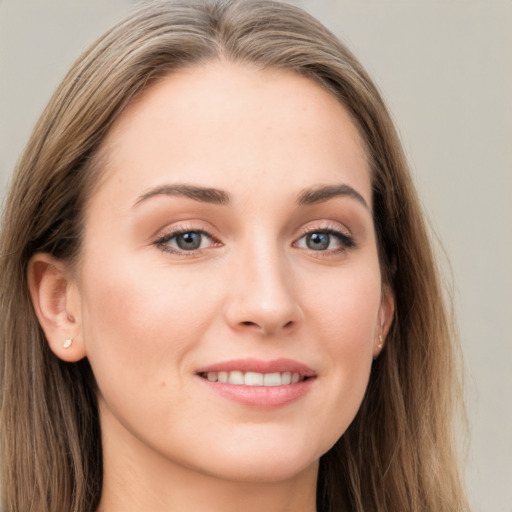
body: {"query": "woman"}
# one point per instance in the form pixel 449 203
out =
pixel 217 287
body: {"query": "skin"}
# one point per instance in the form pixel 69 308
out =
pixel 147 314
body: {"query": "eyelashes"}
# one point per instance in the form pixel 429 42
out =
pixel 188 241
pixel 321 241
pixel 325 240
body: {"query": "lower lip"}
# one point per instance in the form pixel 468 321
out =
pixel 267 397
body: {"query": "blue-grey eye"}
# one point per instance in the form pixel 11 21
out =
pixel 318 241
pixel 189 241
pixel 325 240
pixel 186 241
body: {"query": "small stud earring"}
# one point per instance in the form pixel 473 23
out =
pixel 68 342
pixel 381 341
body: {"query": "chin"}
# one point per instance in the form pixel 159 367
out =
pixel 272 468
pixel 265 461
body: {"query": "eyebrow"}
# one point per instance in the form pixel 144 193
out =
pixel 308 196
pixel 324 193
pixel 203 194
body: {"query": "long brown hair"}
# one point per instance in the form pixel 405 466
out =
pixel 399 453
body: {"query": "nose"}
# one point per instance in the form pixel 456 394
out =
pixel 263 297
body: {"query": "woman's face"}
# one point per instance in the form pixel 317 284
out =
pixel 228 253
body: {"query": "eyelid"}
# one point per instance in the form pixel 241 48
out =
pixel 346 239
pixel 167 234
pixel 160 240
pixel 325 226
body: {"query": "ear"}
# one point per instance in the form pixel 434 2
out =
pixel 385 319
pixel 57 305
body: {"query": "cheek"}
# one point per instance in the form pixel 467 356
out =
pixel 140 319
pixel 346 317
pixel 346 309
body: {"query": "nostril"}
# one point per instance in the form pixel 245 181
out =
pixel 247 323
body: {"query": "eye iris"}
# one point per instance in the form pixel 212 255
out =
pixel 318 241
pixel 188 241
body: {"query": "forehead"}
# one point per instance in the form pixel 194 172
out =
pixel 220 124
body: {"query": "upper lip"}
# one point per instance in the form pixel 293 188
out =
pixel 260 366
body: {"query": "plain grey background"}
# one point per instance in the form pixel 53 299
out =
pixel 445 70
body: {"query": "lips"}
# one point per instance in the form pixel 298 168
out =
pixel 253 382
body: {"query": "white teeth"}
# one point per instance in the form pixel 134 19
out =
pixel 254 378
pixel 236 378
pixel 286 378
pixel 272 379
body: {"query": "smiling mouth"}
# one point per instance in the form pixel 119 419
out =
pixel 254 378
pixel 260 384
